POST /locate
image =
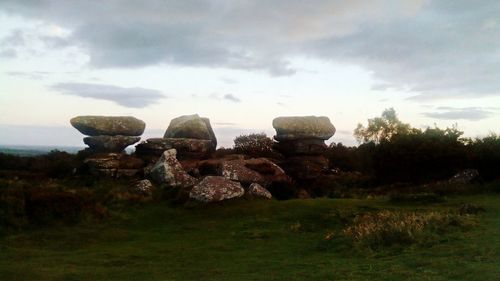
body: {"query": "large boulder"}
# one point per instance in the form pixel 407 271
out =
pixel 191 127
pixel 110 143
pixel 254 170
pixel 168 172
pixel 303 127
pixel 214 189
pixel 108 125
pixel 186 148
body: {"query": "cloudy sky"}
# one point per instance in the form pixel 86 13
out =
pixel 244 62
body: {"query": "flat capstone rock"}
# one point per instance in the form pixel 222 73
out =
pixel 108 125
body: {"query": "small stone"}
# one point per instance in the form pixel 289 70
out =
pixel 256 190
pixel 142 187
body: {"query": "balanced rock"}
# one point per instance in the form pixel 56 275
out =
pixel 108 125
pixel 168 172
pixel 303 127
pixel 110 143
pixel 191 127
pixel 186 148
pixel 214 189
pixel 257 191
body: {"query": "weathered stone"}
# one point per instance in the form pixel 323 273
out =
pixel 214 189
pixel 142 187
pixel 301 147
pixel 257 191
pixel 465 176
pixel 186 148
pixel 110 143
pixel 303 127
pixel 254 170
pixel 114 165
pixel 191 127
pixel 168 172
pixel 108 125
pixel 237 171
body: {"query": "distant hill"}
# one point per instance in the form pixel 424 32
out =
pixel 33 150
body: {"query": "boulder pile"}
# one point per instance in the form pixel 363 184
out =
pixel 107 137
pixel 191 136
pixel 301 139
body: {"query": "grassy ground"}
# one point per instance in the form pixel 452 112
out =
pixel 242 240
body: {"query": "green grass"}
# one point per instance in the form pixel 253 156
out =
pixel 243 240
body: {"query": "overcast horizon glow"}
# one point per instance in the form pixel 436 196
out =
pixel 243 63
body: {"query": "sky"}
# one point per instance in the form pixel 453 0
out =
pixel 242 63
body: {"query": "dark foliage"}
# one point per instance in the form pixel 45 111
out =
pixel 56 164
pixel 255 145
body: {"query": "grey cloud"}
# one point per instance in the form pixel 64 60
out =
pixel 232 98
pixel 8 53
pixel 434 49
pixel 468 113
pixel 128 97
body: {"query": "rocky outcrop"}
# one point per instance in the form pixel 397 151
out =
pixel 213 189
pixel 301 141
pixel 255 190
pixel 108 125
pixel 168 172
pixel 152 149
pixel 191 127
pixel 110 143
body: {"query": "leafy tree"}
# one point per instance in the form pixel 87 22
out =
pixel 383 128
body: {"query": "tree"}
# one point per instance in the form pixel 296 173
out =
pixel 255 145
pixel 382 128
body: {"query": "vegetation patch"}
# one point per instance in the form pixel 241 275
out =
pixel 388 228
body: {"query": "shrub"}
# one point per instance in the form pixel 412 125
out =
pixel 388 228
pixel 255 145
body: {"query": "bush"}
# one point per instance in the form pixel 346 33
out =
pixel 56 164
pixel 255 145
pixel 388 228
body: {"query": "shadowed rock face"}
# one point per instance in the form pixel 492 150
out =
pixel 110 143
pixel 186 148
pixel 303 127
pixel 191 127
pixel 108 125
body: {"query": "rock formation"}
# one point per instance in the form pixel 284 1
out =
pixel 191 135
pixel 302 141
pixel 107 137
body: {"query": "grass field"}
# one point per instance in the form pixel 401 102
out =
pixel 250 240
